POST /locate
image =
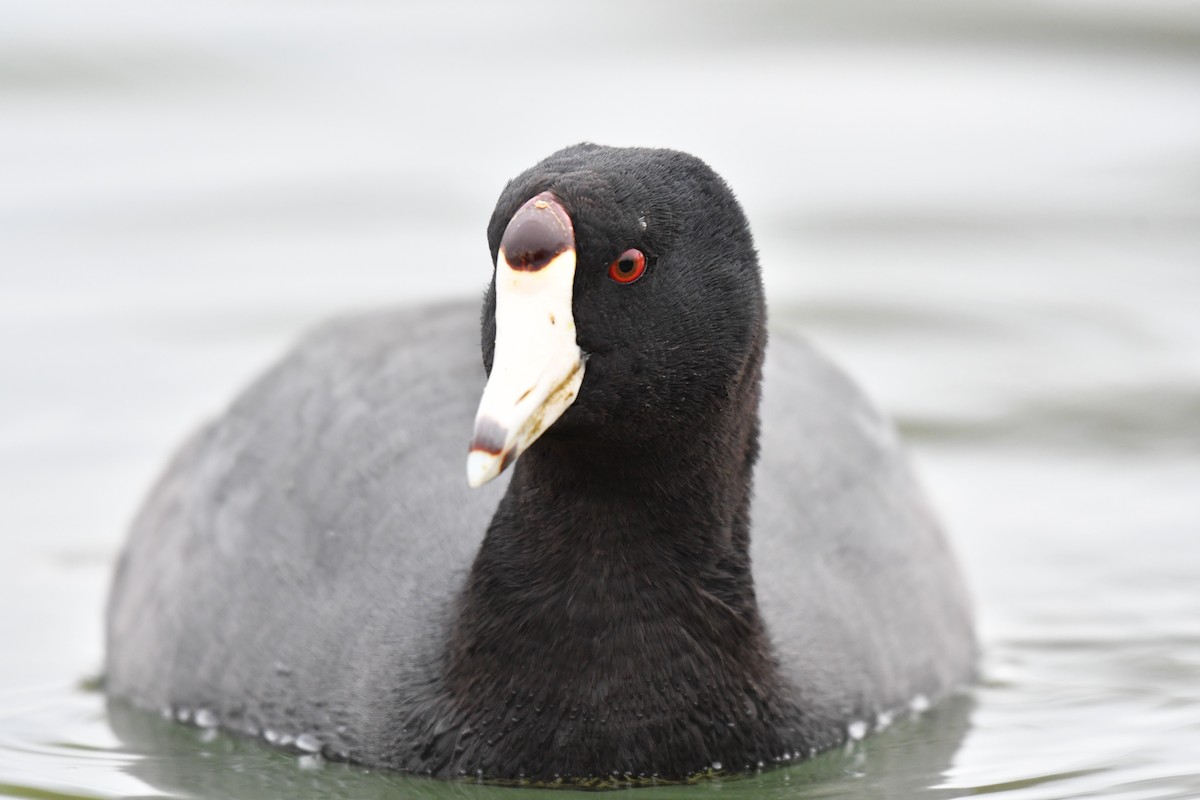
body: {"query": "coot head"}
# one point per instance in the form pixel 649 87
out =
pixel 626 304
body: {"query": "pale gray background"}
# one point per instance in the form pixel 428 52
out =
pixel 988 211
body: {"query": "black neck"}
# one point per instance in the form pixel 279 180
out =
pixel 612 598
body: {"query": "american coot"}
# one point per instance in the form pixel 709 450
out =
pixel 313 568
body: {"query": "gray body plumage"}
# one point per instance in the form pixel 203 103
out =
pixel 296 567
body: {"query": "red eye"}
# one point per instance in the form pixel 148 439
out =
pixel 628 267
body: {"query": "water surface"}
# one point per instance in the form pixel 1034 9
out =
pixel 990 214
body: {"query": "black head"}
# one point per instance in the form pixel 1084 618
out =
pixel 678 340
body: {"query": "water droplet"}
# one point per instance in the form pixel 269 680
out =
pixel 183 714
pixel 311 761
pixel 271 736
pixel 857 730
pixel 884 720
pixel 716 765
pixel 208 734
pixel 286 739
pixel 760 765
pixel 919 704
pixel 308 743
pixel 205 718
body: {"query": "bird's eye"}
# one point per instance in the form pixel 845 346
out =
pixel 628 267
